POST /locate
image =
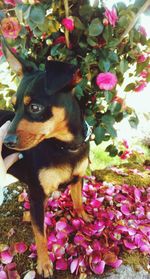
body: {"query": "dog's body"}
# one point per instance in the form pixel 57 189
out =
pixel 48 128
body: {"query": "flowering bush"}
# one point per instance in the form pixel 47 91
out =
pixel 92 38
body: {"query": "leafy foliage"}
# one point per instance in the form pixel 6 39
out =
pixel 93 44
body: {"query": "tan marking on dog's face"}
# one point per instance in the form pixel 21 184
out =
pixel 14 100
pixel 51 178
pixel 26 100
pixel 32 133
pixel 81 167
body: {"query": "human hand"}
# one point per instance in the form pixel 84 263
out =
pixel 6 163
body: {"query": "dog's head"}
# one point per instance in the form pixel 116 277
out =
pixel 42 102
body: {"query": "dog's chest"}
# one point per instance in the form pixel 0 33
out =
pixel 50 178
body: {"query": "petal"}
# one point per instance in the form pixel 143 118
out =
pixel 30 275
pixel 74 265
pixel 98 268
pixel 3 275
pixel 6 257
pixel 61 264
pixel 20 247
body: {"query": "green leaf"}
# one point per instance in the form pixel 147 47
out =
pixel 113 43
pixel 123 21
pixel 115 107
pixel 85 11
pixel 108 96
pixel 134 121
pixel 108 119
pixel 37 14
pixel 104 65
pixel 95 28
pixel 99 133
pixel 107 34
pixel 123 66
pixel 112 150
pixel 78 23
pixel 113 57
pixel 129 87
pixel 92 41
pixel 91 120
pixel 79 92
pixel 111 130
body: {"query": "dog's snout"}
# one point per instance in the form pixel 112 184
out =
pixel 11 140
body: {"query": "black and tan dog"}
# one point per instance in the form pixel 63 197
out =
pixel 49 129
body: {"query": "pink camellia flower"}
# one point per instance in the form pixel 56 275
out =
pixel 10 2
pixel 142 31
pixel 140 87
pixel 106 81
pixel 142 58
pixel 10 27
pixel 111 15
pixel 68 23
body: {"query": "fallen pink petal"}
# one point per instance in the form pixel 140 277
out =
pixel 6 257
pixel 20 247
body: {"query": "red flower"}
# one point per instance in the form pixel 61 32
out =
pixel 68 23
pixel 142 58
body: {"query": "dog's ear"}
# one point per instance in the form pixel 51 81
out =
pixel 16 63
pixel 60 75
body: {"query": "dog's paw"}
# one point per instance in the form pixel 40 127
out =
pixel 45 267
pixel 85 216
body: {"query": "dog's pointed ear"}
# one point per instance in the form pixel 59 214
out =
pixel 60 75
pixel 16 63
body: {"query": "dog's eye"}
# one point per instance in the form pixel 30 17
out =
pixel 35 108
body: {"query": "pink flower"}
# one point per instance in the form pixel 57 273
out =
pixel 142 58
pixel 106 81
pixel 1 52
pixel 125 155
pixel 125 143
pixel 68 23
pixel 10 27
pixel 142 31
pixel 20 247
pixel 111 15
pixel 144 74
pixel 10 2
pixel 140 87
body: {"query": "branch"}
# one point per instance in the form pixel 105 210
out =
pixel 133 22
pixel 66 14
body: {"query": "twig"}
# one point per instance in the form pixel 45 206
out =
pixel 133 22
pixel 66 14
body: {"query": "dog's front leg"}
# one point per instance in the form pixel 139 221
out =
pixel 44 265
pixel 76 195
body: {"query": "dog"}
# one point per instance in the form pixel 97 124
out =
pixel 48 128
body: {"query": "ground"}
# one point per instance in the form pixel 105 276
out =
pixel 15 226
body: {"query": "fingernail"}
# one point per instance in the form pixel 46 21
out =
pixel 20 156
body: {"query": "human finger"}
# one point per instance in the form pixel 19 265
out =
pixel 3 132
pixel 11 159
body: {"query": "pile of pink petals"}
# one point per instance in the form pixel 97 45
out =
pixel 121 222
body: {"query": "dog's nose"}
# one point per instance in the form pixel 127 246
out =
pixel 11 140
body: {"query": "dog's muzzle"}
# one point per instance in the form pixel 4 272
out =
pixel 11 141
